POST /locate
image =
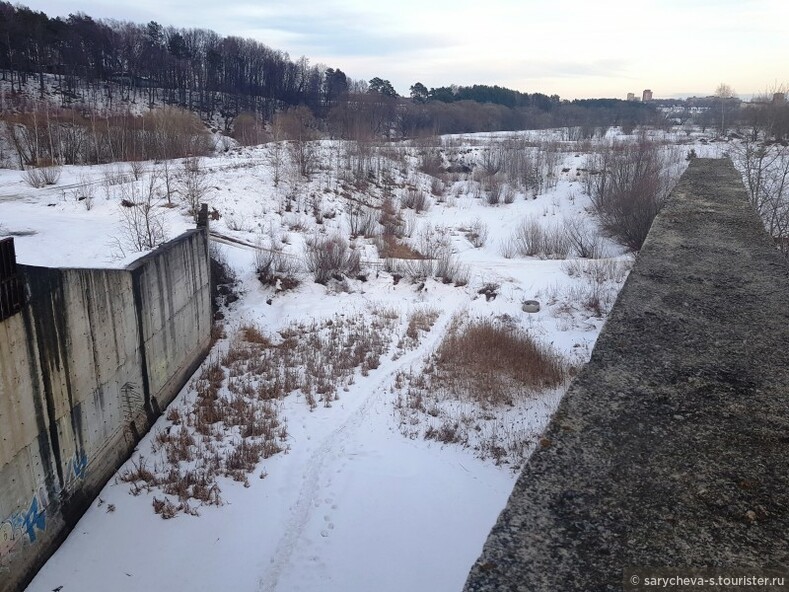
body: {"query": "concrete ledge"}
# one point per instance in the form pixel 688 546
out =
pixel 672 446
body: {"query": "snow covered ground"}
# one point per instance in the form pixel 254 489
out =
pixel 359 500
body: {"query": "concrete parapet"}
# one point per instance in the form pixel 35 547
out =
pixel 671 447
pixel 85 368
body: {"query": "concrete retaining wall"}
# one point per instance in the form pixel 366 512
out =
pixel 85 369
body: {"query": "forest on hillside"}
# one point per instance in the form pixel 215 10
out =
pixel 80 90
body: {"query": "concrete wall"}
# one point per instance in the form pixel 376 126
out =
pixel 85 369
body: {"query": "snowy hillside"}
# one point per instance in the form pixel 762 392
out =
pixel 364 432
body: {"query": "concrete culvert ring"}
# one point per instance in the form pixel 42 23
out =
pixel 530 306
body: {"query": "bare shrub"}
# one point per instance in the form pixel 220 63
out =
pixel 41 176
pixel 415 199
pixel 50 174
pixel 275 268
pixel 390 247
pixel 630 189
pixel 84 192
pixel 194 186
pixel 585 242
pixel 493 355
pixel 436 187
pixel 142 220
pixel 495 190
pixel 114 175
pixel 420 321
pixel 137 168
pixel 431 162
pixel 476 233
pixel 239 223
pixel 533 239
pixel 362 221
pixel 450 271
pixel 329 257
pixel 33 177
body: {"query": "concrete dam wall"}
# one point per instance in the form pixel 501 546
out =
pixel 88 360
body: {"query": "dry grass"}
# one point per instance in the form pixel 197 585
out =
pixel 420 322
pixel 467 390
pixel 232 418
pixel 390 247
pixel 495 356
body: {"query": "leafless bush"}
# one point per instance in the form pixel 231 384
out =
pixel 239 223
pixel 33 177
pixel 362 221
pixel 630 189
pixel 477 233
pixel 84 192
pixel 450 271
pixel 420 321
pixel 41 176
pixel 585 242
pixel 142 220
pixel 436 187
pixel 533 239
pixel 114 175
pixel 415 199
pixel 275 268
pixel 431 162
pixel 494 190
pixel 194 186
pixel 137 168
pixel 329 257
pixel 598 271
pixel 390 247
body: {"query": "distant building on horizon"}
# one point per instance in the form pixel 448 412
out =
pixel 647 96
pixel 631 96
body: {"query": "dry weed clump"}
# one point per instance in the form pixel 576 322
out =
pixel 483 377
pixel 592 295
pixel 494 355
pixel 420 322
pixel 231 419
pixel 224 432
pixel 331 257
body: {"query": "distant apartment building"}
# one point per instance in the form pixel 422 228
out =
pixel 647 96
pixel 631 96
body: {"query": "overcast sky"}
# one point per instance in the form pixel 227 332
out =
pixel 574 48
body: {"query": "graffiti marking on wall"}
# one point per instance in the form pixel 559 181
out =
pixel 76 467
pixel 27 523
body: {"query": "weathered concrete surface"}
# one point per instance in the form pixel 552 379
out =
pixel 85 368
pixel 672 446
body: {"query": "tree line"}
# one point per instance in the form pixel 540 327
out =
pixel 106 73
pixel 194 68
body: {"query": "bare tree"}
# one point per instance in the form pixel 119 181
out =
pixel 765 169
pixel 724 93
pixel 142 220
pixel 194 185
pixel 299 127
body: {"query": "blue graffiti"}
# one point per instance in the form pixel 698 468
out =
pixel 77 466
pixel 30 521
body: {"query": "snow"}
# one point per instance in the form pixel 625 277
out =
pixel 353 504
